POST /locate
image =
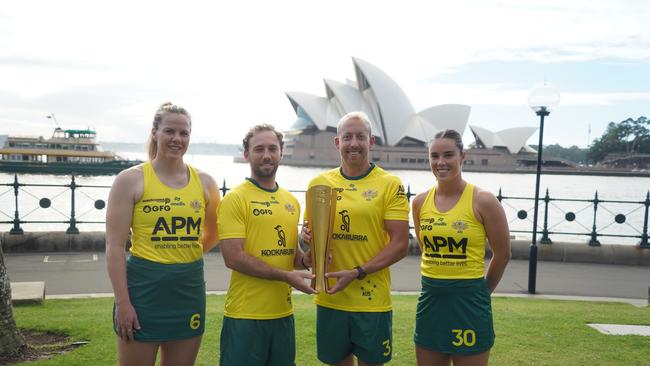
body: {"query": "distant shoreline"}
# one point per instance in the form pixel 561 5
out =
pixel 206 148
pixel 473 169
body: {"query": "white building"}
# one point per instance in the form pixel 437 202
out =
pixel 401 132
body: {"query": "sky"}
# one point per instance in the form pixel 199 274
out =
pixel 109 65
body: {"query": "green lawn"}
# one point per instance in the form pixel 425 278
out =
pixel 529 332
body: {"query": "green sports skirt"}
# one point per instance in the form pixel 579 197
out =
pixel 169 299
pixel 454 316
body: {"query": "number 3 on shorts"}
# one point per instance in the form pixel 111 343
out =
pixel 195 321
pixel 386 344
pixel 465 337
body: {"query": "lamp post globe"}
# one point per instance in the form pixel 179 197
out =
pixel 543 98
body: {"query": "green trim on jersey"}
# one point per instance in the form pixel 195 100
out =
pixel 359 235
pixel 371 166
pixel 268 224
pixel 262 188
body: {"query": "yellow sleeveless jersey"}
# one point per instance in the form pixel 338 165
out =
pixel 267 220
pixel 359 235
pixel 454 241
pixel 167 222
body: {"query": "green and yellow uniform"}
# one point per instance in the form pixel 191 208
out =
pixel 364 203
pixel 454 313
pixel 165 268
pixel 258 310
pixel 167 222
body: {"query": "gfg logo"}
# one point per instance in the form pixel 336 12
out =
pixel 158 208
pixel 263 211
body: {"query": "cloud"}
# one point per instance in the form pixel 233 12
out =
pixel 631 48
pixel 602 99
pixel 503 94
pixel 71 64
pixel 115 114
pixel 111 64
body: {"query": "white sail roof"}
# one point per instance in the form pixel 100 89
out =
pixel 513 139
pixel 395 109
pixel 391 113
pixel 314 106
pixel 351 100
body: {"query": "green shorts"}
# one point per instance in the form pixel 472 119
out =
pixel 252 342
pixel 454 316
pixel 366 335
pixel 169 299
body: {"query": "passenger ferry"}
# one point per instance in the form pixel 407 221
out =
pixel 66 152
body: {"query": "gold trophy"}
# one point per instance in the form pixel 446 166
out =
pixel 322 210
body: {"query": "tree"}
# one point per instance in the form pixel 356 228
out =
pixel 11 341
pixel 573 153
pixel 626 137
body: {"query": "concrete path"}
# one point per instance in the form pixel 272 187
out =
pixel 85 273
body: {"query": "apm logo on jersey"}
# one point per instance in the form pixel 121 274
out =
pixel 456 250
pixel 345 226
pixel 178 229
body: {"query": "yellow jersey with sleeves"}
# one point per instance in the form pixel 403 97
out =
pixel 167 222
pixel 453 242
pixel 267 220
pixel 359 235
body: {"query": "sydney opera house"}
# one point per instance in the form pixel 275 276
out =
pixel 401 132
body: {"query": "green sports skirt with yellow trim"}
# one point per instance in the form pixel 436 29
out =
pixel 169 299
pixel 454 316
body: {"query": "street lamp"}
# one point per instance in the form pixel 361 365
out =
pixel 542 99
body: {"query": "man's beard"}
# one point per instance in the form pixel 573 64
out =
pixel 261 173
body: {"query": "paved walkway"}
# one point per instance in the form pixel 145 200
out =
pixel 77 273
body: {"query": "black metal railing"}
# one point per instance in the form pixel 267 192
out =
pixel 570 216
pixel 597 227
pixel 46 203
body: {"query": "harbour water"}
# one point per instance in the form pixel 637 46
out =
pixel 296 178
